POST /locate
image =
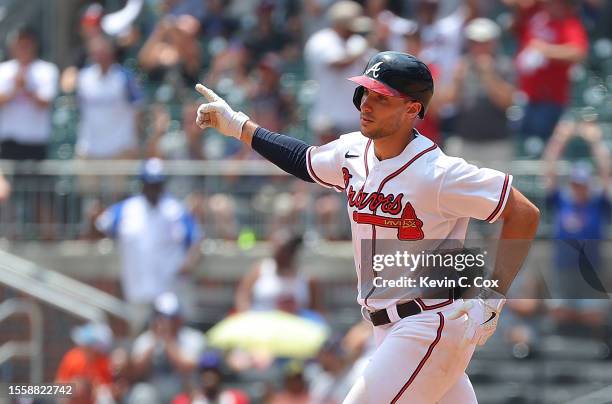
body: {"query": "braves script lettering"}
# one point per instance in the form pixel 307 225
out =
pixel 390 203
pixel 409 226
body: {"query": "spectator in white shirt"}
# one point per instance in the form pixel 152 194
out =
pixel 109 98
pixel 28 87
pixel 158 241
pixel 443 43
pixel 444 38
pixel 331 55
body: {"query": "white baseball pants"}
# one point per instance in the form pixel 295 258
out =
pixel 419 360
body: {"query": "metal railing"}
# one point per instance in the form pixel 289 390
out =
pixel 63 292
pixel 31 349
pixel 54 199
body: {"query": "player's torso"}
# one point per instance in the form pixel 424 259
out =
pixel 393 204
pixel 396 198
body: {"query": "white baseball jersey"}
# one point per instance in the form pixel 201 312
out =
pixel 421 194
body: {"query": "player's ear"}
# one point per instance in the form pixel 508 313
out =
pixel 413 109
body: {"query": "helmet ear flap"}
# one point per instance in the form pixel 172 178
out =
pixel 357 95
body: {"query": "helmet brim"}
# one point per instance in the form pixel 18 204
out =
pixel 376 86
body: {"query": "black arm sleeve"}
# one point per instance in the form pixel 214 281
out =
pixel 286 152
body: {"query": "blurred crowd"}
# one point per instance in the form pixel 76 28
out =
pixel 486 56
pixel 126 90
pixel 515 79
pixel 275 346
pixel 279 343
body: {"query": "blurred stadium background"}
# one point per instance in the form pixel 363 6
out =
pixel 58 271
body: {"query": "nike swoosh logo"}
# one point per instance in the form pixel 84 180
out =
pixel 490 318
pixel 350 156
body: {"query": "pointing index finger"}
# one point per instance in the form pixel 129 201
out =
pixel 207 92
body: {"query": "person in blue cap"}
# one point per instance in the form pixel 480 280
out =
pixel 581 212
pixel 158 241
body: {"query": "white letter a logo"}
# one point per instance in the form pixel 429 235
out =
pixel 374 70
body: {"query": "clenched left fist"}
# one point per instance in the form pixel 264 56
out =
pixel 218 114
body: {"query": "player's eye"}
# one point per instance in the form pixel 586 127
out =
pixel 372 94
pixel 380 97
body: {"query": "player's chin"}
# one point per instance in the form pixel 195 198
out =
pixel 369 132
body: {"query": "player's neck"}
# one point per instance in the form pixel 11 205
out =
pixel 392 146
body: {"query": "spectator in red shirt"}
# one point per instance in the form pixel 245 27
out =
pixel 551 39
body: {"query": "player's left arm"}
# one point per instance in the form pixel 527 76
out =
pixel 521 218
pixel 486 194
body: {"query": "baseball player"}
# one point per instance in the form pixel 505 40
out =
pixel 401 186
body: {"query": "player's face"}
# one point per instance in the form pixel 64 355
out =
pixel 383 116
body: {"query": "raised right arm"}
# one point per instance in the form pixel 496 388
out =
pixel 287 153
